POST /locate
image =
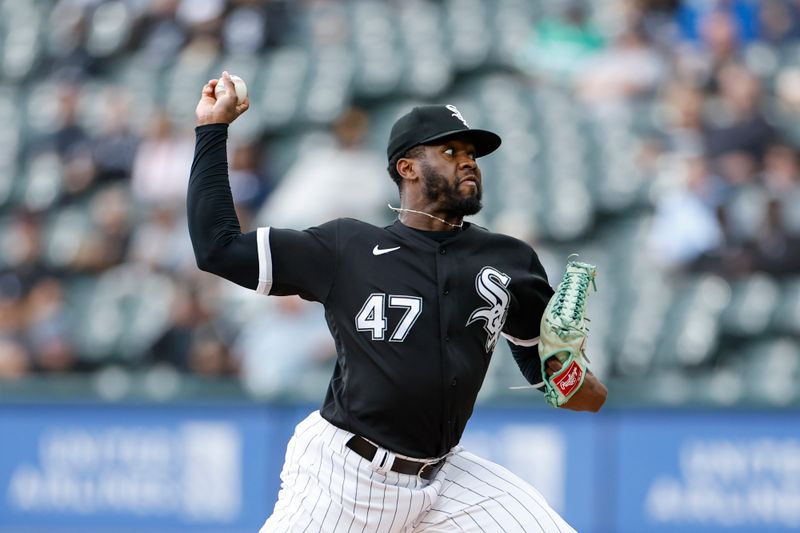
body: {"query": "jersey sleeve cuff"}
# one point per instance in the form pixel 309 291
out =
pixel 217 126
pixel 264 261
pixel 521 342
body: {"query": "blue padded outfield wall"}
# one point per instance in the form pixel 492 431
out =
pixel 203 468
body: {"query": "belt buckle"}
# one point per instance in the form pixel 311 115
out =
pixel 433 465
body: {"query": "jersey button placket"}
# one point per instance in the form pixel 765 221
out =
pixel 443 267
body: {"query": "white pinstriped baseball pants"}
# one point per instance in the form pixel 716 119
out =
pixel 327 487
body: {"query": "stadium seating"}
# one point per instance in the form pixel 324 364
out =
pixel 568 179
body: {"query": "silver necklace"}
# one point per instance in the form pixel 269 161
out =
pixel 401 209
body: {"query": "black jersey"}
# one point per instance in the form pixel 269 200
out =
pixel 415 320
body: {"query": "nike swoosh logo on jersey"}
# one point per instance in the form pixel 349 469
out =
pixel 379 251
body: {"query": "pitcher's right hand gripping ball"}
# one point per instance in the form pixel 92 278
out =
pixel 221 107
pixel 563 333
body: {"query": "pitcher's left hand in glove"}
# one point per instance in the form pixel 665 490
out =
pixel 563 334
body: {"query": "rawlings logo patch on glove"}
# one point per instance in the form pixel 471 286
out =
pixel 563 333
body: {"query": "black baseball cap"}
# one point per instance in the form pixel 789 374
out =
pixel 429 123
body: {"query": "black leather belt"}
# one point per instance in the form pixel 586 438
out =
pixel 367 450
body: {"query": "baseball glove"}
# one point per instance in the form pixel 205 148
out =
pixel 563 333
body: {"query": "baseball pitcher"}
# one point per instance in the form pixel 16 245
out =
pixel 416 310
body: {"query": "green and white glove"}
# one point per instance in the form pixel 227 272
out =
pixel 563 333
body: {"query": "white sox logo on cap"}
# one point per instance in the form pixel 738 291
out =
pixel 457 113
pixel 429 124
pixel 491 286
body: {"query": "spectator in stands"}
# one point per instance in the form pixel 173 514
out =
pixel 331 179
pixel 48 327
pixel 737 168
pixel 78 176
pixel 776 251
pixel 779 22
pixel 683 124
pixel 115 143
pixel 684 227
pixel 68 135
pixel 249 183
pixel 196 338
pixel 97 240
pixel 160 241
pixel 159 175
pixel 70 141
pixel 737 123
pixel 209 355
pixel 251 26
pixel 15 359
pixel 22 252
pixel 713 38
pixel 561 44
pixel 174 344
pixel 107 242
pixel 731 258
pixel 697 19
pixel 629 68
pixel 781 172
pixel 286 339
pixel 66 37
pixel 157 34
pixel 787 93
pixel 658 20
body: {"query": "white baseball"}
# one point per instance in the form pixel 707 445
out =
pixel 238 85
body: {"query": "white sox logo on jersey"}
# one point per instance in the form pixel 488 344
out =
pixel 491 286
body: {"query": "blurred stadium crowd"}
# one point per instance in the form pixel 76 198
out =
pixel 657 138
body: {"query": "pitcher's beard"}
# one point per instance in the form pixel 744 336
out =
pixel 450 201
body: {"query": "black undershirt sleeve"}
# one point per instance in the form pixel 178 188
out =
pixel 533 296
pixel 219 245
pixel 527 358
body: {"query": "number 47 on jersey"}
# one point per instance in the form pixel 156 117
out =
pixel 372 316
